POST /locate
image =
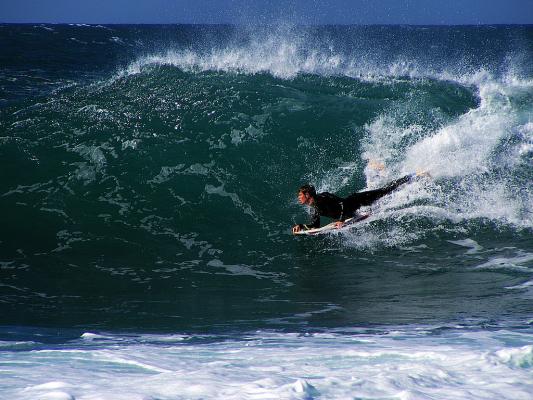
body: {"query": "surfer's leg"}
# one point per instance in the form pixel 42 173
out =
pixel 366 198
pixel 395 184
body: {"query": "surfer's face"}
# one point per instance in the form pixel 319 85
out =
pixel 303 198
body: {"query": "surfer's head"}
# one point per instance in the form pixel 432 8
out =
pixel 306 194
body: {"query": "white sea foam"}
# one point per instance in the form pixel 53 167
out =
pixel 405 363
pixel 473 246
pixel 52 385
pixel 464 147
pixel 521 357
pixel 524 285
pixel 244 270
pixel 473 159
pixel 282 59
pixel 220 191
pixel 521 262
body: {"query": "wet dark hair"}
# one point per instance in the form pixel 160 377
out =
pixel 307 189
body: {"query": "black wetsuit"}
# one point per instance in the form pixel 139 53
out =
pixel 340 209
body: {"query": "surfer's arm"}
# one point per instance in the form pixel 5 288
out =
pixel 315 220
pixel 315 223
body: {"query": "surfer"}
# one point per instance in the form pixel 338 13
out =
pixel 332 206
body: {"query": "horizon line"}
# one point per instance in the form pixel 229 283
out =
pixel 265 24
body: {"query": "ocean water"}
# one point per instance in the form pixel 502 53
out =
pixel 148 187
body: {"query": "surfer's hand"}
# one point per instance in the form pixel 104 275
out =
pixel 296 228
pixel 339 224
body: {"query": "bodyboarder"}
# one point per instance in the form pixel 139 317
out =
pixel 338 208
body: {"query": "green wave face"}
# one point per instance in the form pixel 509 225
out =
pixel 151 183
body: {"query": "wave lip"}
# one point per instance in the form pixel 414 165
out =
pixel 281 60
pixel 285 52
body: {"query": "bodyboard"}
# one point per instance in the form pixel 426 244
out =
pixel 331 227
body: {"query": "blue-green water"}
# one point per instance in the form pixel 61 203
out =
pixel 148 186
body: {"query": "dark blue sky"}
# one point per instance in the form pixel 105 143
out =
pixel 265 11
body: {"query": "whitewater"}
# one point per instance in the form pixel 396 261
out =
pixel 148 190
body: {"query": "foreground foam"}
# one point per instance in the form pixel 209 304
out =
pixel 397 363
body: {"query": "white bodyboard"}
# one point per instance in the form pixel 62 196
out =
pixel 331 227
